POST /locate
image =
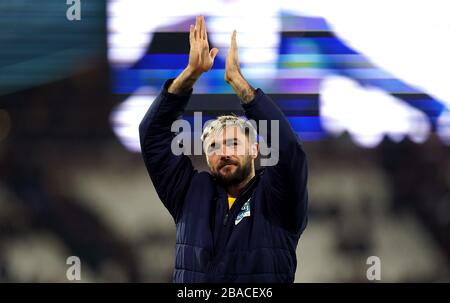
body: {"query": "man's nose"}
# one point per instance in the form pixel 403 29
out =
pixel 223 151
pixel 224 157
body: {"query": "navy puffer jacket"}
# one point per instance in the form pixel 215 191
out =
pixel 254 241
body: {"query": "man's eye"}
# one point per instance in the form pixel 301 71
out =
pixel 212 147
pixel 233 143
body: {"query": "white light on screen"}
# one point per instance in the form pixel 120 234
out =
pixel 368 113
pixel 127 116
pixel 443 129
pixel 410 43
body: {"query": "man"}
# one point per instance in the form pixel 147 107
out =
pixel 233 224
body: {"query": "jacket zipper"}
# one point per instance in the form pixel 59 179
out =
pixel 225 219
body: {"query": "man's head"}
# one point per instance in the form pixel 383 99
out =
pixel 231 147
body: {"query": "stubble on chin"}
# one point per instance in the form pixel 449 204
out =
pixel 232 177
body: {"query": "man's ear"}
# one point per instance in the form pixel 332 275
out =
pixel 254 150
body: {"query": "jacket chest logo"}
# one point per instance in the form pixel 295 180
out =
pixel 245 212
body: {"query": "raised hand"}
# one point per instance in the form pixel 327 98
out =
pixel 233 74
pixel 232 69
pixel 201 58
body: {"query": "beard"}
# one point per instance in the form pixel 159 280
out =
pixel 230 179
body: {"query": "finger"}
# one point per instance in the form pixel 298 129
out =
pixel 202 31
pixel 213 53
pixel 233 39
pixel 206 31
pixel 197 27
pixel 191 33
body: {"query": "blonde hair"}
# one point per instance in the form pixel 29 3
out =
pixel 230 120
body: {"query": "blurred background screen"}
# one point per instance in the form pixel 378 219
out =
pixel 39 45
pixel 364 85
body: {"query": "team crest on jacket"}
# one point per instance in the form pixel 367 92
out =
pixel 245 212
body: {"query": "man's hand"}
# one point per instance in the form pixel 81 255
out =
pixel 232 69
pixel 233 74
pixel 201 58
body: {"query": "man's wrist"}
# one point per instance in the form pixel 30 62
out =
pixel 242 88
pixel 192 73
pixel 184 82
